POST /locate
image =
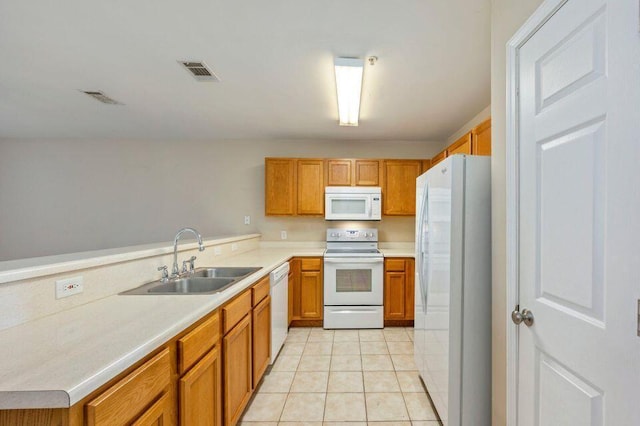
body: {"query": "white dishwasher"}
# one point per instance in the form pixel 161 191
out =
pixel 279 279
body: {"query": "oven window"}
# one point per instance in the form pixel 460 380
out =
pixel 348 206
pixel 353 280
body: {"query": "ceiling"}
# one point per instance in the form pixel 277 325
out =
pixel 274 59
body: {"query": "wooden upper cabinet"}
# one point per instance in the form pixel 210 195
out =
pixel 438 157
pixel 367 173
pixel 280 186
pixel 310 196
pixel 426 165
pixel 399 187
pixel 461 146
pixel 349 172
pixel 339 172
pixel 481 139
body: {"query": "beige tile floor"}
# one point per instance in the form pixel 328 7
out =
pixel 342 377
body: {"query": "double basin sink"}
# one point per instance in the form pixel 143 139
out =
pixel 201 281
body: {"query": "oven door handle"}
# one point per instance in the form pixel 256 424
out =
pixel 352 260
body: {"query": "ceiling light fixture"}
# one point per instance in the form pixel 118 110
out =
pixel 349 86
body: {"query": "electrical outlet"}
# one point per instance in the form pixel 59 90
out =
pixel 283 235
pixel 247 220
pixel 234 246
pixel 69 287
pixel 217 251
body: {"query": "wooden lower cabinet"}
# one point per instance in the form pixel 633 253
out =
pixel 236 358
pixel 201 392
pixel 126 401
pixel 399 289
pixel 309 292
pixel 196 378
pixel 159 414
pixel 306 290
pixel 261 334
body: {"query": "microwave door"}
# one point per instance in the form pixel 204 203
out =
pixel 345 207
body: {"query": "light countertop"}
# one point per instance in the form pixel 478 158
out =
pixel 57 360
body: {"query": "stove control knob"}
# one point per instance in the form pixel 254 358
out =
pixel 333 234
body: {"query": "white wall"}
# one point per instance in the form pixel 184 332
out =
pixel 67 196
pixel 466 127
pixel 506 17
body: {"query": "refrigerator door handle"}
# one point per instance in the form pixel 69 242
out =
pixel 423 265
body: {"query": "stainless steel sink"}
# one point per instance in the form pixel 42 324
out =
pixel 192 285
pixel 225 272
pixel 201 281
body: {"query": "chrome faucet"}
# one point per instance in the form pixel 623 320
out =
pixel 175 271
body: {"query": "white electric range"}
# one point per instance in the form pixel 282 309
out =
pixel 353 279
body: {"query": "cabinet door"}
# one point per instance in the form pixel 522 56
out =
pixel 339 172
pixel 280 186
pixel 399 289
pixel 481 139
pixel 159 414
pixel 201 392
pixel 236 348
pixel 438 157
pixel 295 293
pixel 394 295
pixel 399 190
pixel 426 165
pixel 310 176
pixel 367 173
pixel 461 146
pixel 311 294
pixel 261 330
pixel 123 402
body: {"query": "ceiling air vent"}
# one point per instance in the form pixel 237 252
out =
pixel 98 95
pixel 199 70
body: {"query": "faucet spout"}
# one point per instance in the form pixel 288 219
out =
pixel 174 270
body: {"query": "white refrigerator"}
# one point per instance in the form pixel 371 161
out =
pixel 452 343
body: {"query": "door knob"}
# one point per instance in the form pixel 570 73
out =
pixel 526 317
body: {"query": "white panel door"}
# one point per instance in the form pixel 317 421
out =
pixel 578 216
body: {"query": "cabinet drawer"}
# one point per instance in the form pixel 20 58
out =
pixel 198 342
pixel 260 290
pixel 310 264
pixel 394 265
pixel 127 399
pixel 235 310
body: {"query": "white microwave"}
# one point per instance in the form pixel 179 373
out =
pixel 352 203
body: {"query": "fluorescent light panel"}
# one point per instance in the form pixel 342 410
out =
pixel 349 86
